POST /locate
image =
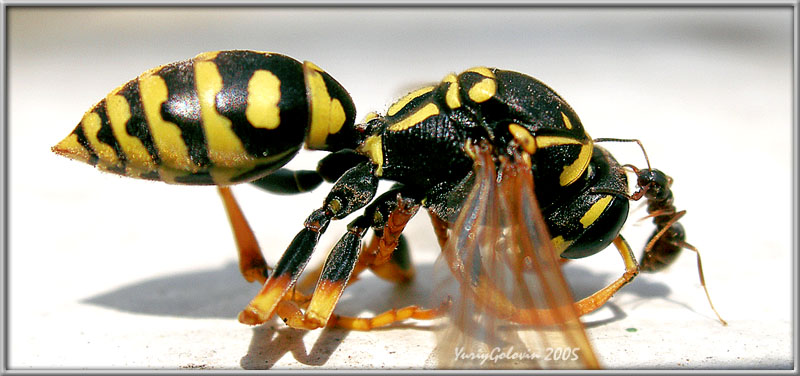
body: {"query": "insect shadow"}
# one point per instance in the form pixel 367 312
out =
pixel 221 293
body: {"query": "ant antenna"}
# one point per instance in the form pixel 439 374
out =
pixel 627 140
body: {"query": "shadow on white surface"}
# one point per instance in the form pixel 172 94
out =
pixel 220 293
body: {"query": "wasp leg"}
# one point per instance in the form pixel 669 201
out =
pixel 387 254
pixel 492 298
pixel 389 317
pixel 351 192
pixel 387 215
pixel 583 306
pixel 398 268
pixel 251 262
pixel 332 281
pixel 285 181
pixel 596 300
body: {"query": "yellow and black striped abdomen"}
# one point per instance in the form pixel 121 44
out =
pixel 220 118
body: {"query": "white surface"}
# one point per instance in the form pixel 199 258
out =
pixel 108 272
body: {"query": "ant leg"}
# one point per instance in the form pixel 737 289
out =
pixel 668 247
pixel 352 191
pixel 251 262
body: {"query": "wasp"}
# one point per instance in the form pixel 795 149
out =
pixel 502 164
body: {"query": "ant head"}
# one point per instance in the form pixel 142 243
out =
pixel 654 182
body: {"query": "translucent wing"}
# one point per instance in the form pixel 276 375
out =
pixel 511 305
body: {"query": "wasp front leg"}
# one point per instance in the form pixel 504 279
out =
pixel 388 216
pixel 352 191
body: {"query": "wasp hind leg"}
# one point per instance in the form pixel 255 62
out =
pixel 251 262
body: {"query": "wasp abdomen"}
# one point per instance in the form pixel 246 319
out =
pixel 220 118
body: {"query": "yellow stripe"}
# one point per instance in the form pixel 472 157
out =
pixel 574 170
pixel 567 123
pixel 402 102
pixel 166 135
pixel 263 95
pixel 547 141
pixel 452 97
pixel 224 147
pixel 415 118
pixel 594 212
pixel 91 125
pixel 119 112
pixel 483 71
pixel 327 115
pixel 373 148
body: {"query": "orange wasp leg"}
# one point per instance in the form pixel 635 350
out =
pixel 251 262
pixel 495 300
pixel 596 300
pixel 592 302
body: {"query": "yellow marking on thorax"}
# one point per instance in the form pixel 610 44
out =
pixel 547 141
pixel 327 115
pixel 373 148
pixel 560 244
pixel 452 97
pixel 119 112
pixel 574 170
pixel 371 115
pixel 483 71
pixel 166 135
pixel 224 147
pixel 415 118
pixel 523 137
pixel 595 211
pixel 402 102
pixel 263 95
pixel 483 90
pixel 91 124
pixel 567 123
